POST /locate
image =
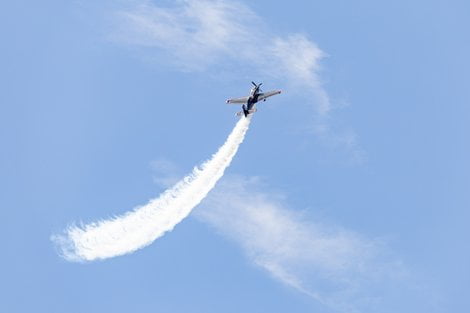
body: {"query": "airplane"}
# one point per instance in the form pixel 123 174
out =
pixel 249 102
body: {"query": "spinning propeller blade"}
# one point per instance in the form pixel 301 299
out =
pixel 257 86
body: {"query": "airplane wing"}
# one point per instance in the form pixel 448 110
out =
pixel 238 100
pixel 265 95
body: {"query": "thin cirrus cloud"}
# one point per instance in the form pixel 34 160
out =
pixel 200 35
pixel 340 268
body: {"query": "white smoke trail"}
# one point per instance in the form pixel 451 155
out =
pixel 140 227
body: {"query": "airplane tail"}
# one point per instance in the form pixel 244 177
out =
pixel 245 111
pixel 242 113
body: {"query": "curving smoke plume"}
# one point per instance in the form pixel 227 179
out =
pixel 141 226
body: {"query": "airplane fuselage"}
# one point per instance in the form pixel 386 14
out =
pixel 252 100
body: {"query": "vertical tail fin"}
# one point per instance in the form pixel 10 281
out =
pixel 245 111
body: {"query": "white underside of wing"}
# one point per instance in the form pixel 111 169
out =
pixel 268 94
pixel 238 100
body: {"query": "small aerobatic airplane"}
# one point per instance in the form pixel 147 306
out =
pixel 249 102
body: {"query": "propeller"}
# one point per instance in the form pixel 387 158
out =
pixel 256 86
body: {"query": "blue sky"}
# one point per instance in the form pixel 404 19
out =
pixel 349 194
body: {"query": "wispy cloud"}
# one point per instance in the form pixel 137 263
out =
pixel 195 34
pixel 166 172
pixel 221 35
pixel 198 35
pixel 338 267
